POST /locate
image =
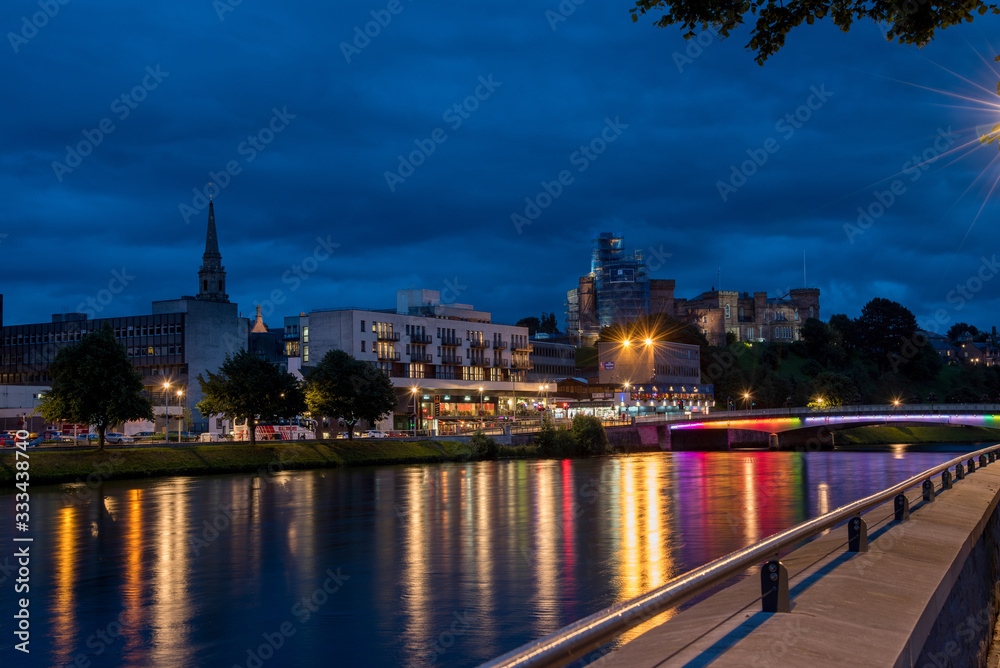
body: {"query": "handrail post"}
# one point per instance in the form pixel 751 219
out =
pixel 982 461
pixel 774 587
pixel 928 489
pixel 972 465
pixel 945 479
pixel 902 505
pixel 857 535
pixel 959 472
pixel 992 456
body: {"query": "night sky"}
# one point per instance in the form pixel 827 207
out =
pixel 117 115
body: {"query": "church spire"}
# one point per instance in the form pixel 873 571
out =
pixel 212 275
pixel 211 237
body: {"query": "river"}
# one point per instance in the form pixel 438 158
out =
pixel 442 564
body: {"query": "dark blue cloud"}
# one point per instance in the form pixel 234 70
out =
pixel 229 74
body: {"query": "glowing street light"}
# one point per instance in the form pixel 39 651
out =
pixel 416 416
pixel 166 412
pixel 180 392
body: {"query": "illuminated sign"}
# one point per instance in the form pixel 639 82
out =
pixel 608 365
pixel 621 276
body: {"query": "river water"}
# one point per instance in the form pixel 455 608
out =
pixel 443 564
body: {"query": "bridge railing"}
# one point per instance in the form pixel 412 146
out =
pixel 572 642
pixel 890 409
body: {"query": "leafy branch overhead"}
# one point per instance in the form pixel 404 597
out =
pixel 907 21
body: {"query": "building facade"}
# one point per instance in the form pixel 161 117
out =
pixel 551 360
pixel 749 318
pixel 615 291
pixel 618 290
pixel 449 362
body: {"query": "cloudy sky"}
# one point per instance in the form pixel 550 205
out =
pixel 359 147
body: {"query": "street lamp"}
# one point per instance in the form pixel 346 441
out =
pixel 415 414
pixel 482 422
pixel 166 411
pixel 179 393
pixel 820 402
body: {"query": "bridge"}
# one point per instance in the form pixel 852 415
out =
pixel 799 428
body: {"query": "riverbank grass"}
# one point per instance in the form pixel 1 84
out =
pixel 48 467
pixel 932 433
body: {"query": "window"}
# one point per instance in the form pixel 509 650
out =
pixel 305 335
pixel 362 325
pixel 362 346
pixel 305 353
pixel 727 311
pixel 811 312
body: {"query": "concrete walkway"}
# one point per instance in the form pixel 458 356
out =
pixel 868 609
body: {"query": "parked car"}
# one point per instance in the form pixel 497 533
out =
pixel 375 433
pixel 115 437
pixel 397 434
pixel 6 440
pixel 142 434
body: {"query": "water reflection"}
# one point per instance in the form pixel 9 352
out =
pixel 448 564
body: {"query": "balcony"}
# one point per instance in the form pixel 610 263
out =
pixel 500 345
pixel 452 360
pixel 478 343
pixel 420 338
pixel 451 341
pixel 479 361
pixel 387 336
pixel 501 363
pixel 421 359
pixel 522 364
pixel 388 356
pixel 525 347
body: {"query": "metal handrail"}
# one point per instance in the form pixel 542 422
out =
pixel 573 641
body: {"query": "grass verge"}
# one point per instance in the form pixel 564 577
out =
pixel 925 434
pixel 47 467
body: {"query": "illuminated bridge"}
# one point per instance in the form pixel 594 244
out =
pixel 805 428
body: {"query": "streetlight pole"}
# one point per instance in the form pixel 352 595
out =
pixel 179 393
pixel 166 412
pixel 415 414
pixel 482 422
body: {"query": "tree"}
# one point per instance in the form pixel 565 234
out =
pixel 531 322
pixel 835 389
pixel 912 22
pixel 94 383
pixel 844 331
pixel 549 324
pixel 353 390
pixel 883 328
pixel 960 329
pixel 248 387
pixel 817 338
